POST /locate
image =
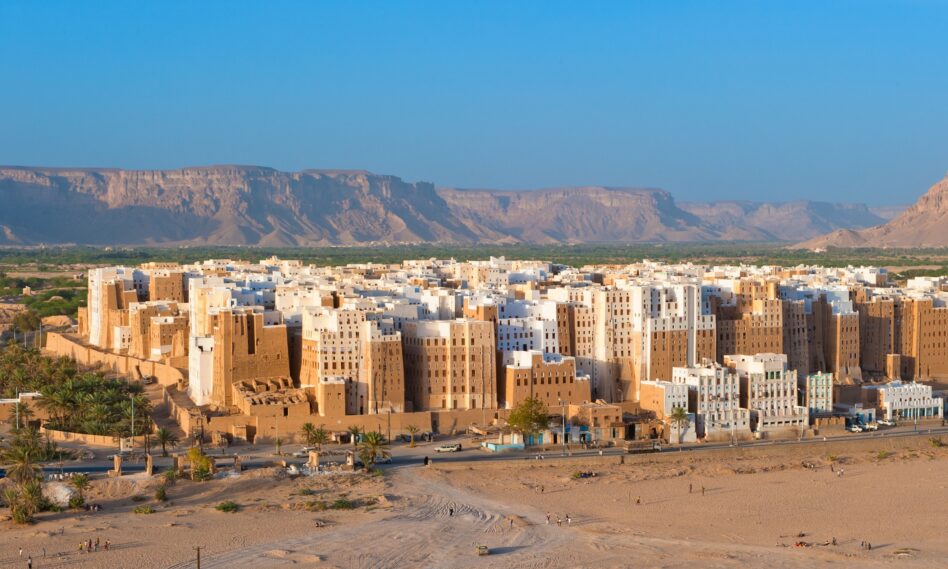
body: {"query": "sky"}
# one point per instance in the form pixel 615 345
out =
pixel 843 100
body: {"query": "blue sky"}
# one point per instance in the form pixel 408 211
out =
pixel 835 100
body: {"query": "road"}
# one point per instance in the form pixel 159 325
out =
pixel 403 455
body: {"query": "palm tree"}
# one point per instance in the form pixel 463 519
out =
pixel 23 467
pixel 412 431
pixel 31 497
pixel 11 496
pixel 373 447
pixel 165 438
pixel 315 436
pixel 308 430
pixel 81 483
pixel 355 431
pixel 679 418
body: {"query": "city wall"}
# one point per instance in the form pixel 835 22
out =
pixel 86 440
pixel 258 428
pixel 62 345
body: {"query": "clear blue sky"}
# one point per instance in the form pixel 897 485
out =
pixel 837 100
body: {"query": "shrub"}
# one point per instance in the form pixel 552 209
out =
pixel 77 502
pixel 145 509
pixel 883 454
pixel 171 476
pixel 342 504
pixel 228 506
pixel 201 474
pixel 20 516
pixel 161 494
pixel 936 442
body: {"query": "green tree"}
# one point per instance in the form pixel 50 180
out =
pixel 373 447
pixel 21 459
pixel 31 497
pixel 412 431
pixel 81 483
pixel 529 418
pixel 679 418
pixel 315 436
pixel 166 439
pixel 26 321
pixel 200 464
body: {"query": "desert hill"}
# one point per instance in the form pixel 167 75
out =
pixel 251 205
pixel 924 224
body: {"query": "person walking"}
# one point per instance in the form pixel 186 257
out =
pixel 542 489
pixel 559 521
pixel 548 518
pixel 702 490
pixel 569 520
pixel 511 523
pixel 689 487
pixel 29 562
pixel 107 544
pixel 450 512
pixel 21 552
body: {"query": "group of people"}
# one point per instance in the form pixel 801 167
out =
pixel 559 520
pixel 90 546
pixel 93 507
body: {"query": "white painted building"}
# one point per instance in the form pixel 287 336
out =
pixel 818 393
pixel 907 401
pixel 715 394
pixel 769 391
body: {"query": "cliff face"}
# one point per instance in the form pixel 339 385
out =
pixel 219 205
pixel 248 205
pixel 924 224
pixel 789 221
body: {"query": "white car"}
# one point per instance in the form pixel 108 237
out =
pixel 886 422
pixel 855 429
pixel 456 447
pixel 872 426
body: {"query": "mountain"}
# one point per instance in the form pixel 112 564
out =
pixel 251 205
pixel 788 221
pixel 924 224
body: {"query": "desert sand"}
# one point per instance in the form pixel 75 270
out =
pixel 755 504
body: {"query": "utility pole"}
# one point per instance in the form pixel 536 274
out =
pixel 17 409
pixel 563 406
pixel 198 548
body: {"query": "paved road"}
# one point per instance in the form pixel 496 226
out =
pixel 403 455
pixel 473 455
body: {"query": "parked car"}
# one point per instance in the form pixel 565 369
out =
pixel 872 426
pixel 855 429
pixel 886 422
pixel 456 447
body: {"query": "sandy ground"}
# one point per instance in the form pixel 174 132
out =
pixel 755 503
